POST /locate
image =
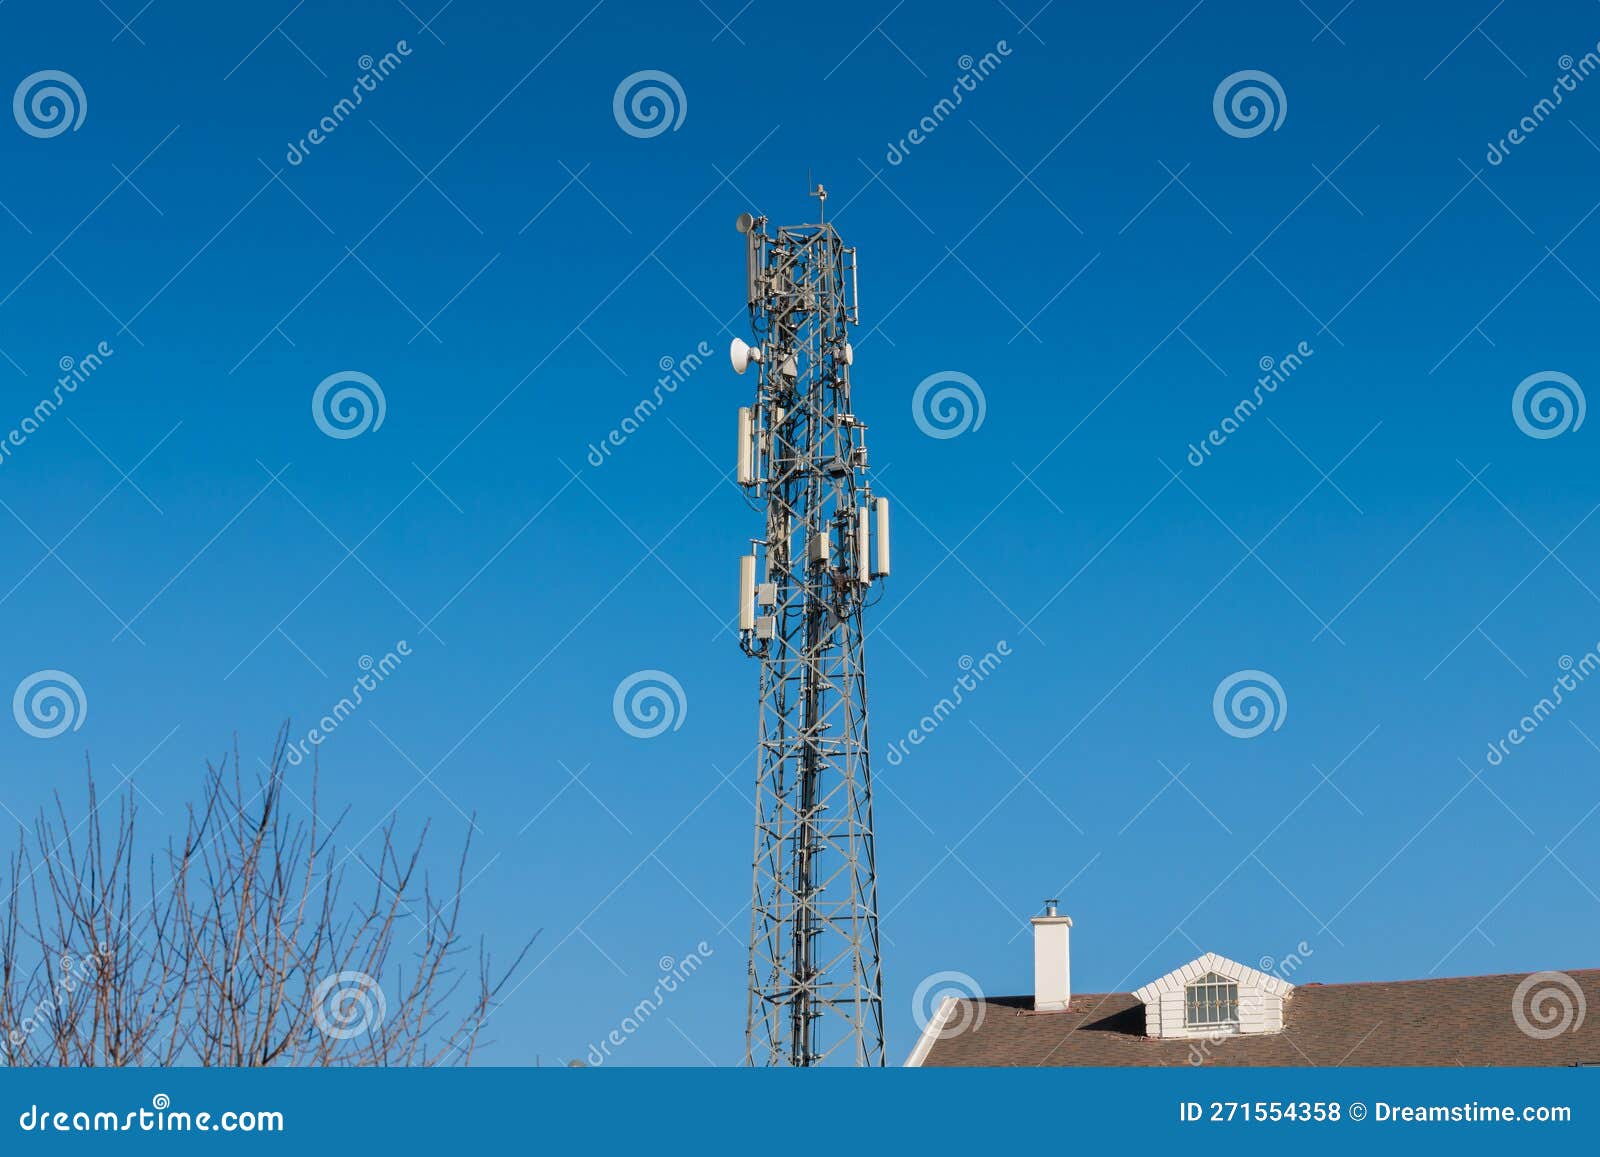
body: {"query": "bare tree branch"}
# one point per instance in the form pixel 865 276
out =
pixel 241 946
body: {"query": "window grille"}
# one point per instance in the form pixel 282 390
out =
pixel 1211 1000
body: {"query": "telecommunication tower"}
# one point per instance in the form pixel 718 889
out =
pixel 816 992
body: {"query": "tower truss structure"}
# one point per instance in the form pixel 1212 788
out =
pixel 815 979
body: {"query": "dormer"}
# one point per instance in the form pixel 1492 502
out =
pixel 1213 996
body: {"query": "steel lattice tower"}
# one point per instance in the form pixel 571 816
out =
pixel 815 984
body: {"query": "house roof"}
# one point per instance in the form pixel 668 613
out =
pixel 1457 1021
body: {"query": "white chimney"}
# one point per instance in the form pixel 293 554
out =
pixel 1052 960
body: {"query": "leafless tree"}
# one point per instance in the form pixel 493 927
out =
pixel 242 945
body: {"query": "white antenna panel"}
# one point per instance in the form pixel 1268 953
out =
pixel 747 468
pixel 747 592
pixel 883 536
pixel 863 571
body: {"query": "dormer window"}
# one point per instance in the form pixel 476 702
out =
pixel 1211 1002
pixel 1213 996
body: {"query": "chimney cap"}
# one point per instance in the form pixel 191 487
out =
pixel 1050 906
pixel 1050 917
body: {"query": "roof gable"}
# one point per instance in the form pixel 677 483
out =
pixel 1222 966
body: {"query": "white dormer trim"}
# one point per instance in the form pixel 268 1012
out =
pixel 1179 978
pixel 931 1033
pixel 1261 998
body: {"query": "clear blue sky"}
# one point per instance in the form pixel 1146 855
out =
pixel 1080 236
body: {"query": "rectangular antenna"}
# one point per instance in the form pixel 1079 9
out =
pixel 752 266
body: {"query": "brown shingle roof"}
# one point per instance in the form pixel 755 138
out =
pixel 1459 1021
